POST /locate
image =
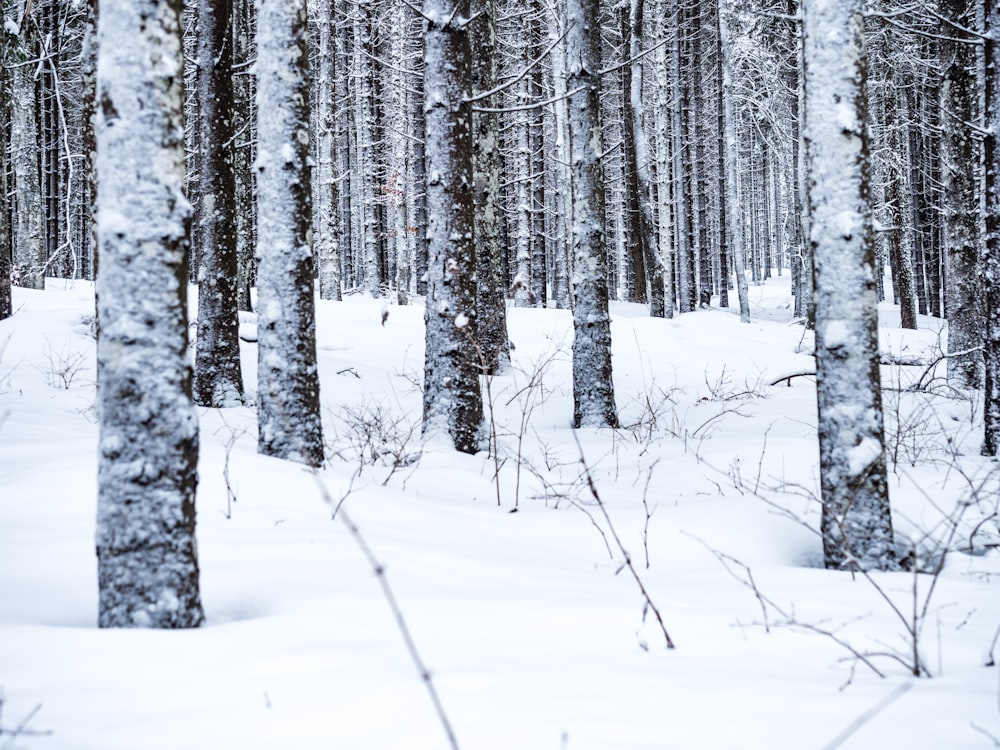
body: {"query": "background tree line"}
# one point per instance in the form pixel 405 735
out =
pixel 685 198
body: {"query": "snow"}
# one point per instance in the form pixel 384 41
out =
pixel 533 637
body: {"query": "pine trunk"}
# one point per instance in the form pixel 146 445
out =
pixel 593 389
pixel 147 471
pixel 452 399
pixel 218 378
pixel 288 410
pixel 856 524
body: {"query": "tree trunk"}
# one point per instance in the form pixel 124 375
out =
pixel 732 166
pixel 28 224
pixel 288 408
pixel 593 389
pixel 452 400
pixel 959 165
pixel 991 270
pixel 326 202
pixel 492 318
pixel 147 471
pixel 218 378
pixel 856 523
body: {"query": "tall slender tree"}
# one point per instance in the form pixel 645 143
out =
pixel 218 379
pixel 991 259
pixel 288 410
pixel 960 93
pixel 593 388
pixel 856 523
pixel 452 399
pixel 147 471
pixel 492 311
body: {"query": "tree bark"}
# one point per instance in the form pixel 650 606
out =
pixel 959 165
pixel 218 377
pixel 593 389
pixel 288 406
pixel 856 523
pixel 452 399
pixel 147 471
pixel 493 344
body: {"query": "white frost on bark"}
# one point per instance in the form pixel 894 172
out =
pixel 856 521
pixel 148 451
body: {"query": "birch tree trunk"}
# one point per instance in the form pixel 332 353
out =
pixel 856 523
pixel 148 450
pixel 452 399
pixel 593 389
pixel 218 378
pixel 288 410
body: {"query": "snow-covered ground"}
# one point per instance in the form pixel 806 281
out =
pixel 535 634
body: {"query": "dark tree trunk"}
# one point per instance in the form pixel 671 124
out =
pixel 218 379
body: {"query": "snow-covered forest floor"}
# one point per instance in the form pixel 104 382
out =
pixel 536 635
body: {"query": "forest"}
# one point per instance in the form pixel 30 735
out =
pixel 554 373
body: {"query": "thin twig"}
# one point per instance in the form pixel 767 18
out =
pixel 621 547
pixel 379 569
pixel 867 716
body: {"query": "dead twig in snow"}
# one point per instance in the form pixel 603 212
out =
pixel 621 547
pixel 379 569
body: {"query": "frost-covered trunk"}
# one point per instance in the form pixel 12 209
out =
pixel 959 167
pixel 521 177
pixel 218 379
pixel 6 306
pixel 325 187
pixel 244 147
pixel 28 219
pixel 493 343
pixel 343 34
pixel 593 389
pixel 664 174
pixel 856 523
pixel 366 149
pixel 452 399
pixel 731 160
pixel 88 115
pixel 415 195
pixel 991 264
pixel 681 167
pixel 288 412
pixel 148 450
pixel 640 153
pixel 397 112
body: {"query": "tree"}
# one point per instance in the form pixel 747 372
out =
pixel 452 399
pixel 491 308
pixel 959 165
pixel 29 232
pixel 218 378
pixel 6 305
pixel 593 389
pixel 856 523
pixel 326 193
pixel 288 409
pixel 147 471
pixel 991 258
